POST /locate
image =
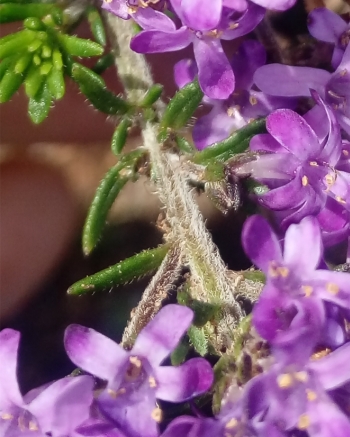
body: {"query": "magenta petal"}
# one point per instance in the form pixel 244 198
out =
pixel 293 133
pixel 84 343
pixel 155 41
pixel 288 81
pixel 215 74
pixel 177 384
pixel 326 25
pixel 200 14
pixel 162 334
pixel 150 19
pixel 63 405
pixel 117 7
pixel 9 390
pixel 303 246
pixel 260 243
pixel 333 370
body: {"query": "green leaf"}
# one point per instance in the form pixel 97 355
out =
pixel 9 84
pixel 238 142
pixel 33 23
pixel 152 95
pixel 56 84
pixel 128 270
pixel 181 107
pixel 106 193
pixel 120 135
pixel 5 65
pixel 39 106
pixel 184 145
pixel 12 44
pixel 23 63
pixel 33 81
pixel 103 63
pixel 198 340
pixel 94 88
pixel 178 356
pixel 96 25
pixel 79 46
pixel 16 12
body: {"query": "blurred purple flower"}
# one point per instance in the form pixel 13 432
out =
pixel 135 378
pixel 328 26
pixel 290 313
pixel 204 24
pixel 289 81
pixel 244 105
pixel 56 409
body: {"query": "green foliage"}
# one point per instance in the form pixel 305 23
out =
pixel 96 25
pixel 120 135
pixel 238 142
pixel 41 54
pixel 179 354
pixel 198 340
pixel 180 108
pixel 94 88
pixel 152 95
pixel 128 270
pixel 107 192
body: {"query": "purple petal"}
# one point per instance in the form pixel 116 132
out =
pixel 316 117
pixel 303 246
pixel 117 7
pixel 178 384
pixel 333 370
pixel 245 24
pixel 181 426
pixel 267 143
pixel 250 56
pixel 201 14
pixel 260 243
pixel 184 72
pixel 326 25
pixel 215 74
pixel 150 19
pixel 293 133
pixel 162 334
pixel 288 81
pixel 94 352
pixel 155 41
pixel 331 286
pixel 213 127
pixel 334 222
pixel 9 390
pixel 278 5
pixel 64 405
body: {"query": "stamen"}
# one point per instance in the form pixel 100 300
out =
pixel 253 100
pixel 284 380
pixel 307 290
pixel 6 416
pixel 304 422
pixel 157 415
pixel 152 382
pixel 311 395
pixel 304 181
pixel 332 288
pixel 301 376
pixel 314 163
pixel 231 424
pixel 340 199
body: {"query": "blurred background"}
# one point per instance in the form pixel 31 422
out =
pixel 48 176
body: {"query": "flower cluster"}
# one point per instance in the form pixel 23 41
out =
pixel 133 380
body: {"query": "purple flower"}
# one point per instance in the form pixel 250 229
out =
pixel 56 409
pixel 288 81
pixel 328 26
pixel 290 312
pixel 298 166
pixel 205 22
pixel 135 378
pixel 244 105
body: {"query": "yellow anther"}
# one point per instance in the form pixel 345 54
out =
pixel 311 395
pixel 345 152
pixel 314 163
pixel 321 354
pixel 6 416
pixel 230 112
pixel 307 290
pixel 301 376
pixel 332 288
pixel 283 271
pixel 285 380
pixel 152 382
pixel 330 179
pixel 304 181
pixel 303 422
pixel 231 424
pixel 253 100
pixel 115 393
pixel 233 26
pixel 343 72
pixel 340 199
pixel 157 415
pixel 33 426
pixel 108 1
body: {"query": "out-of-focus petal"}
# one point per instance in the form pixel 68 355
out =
pixel 246 23
pixel 162 334
pixel 117 7
pixel 150 19
pixel 277 5
pixel 184 72
pixel 215 74
pixel 267 143
pixel 201 15
pixel 178 384
pixel 325 25
pixel 181 426
pixel 303 246
pixel 331 286
pixel 260 243
pixel 155 41
pixel 94 352
pixel 250 56
pixel 288 81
